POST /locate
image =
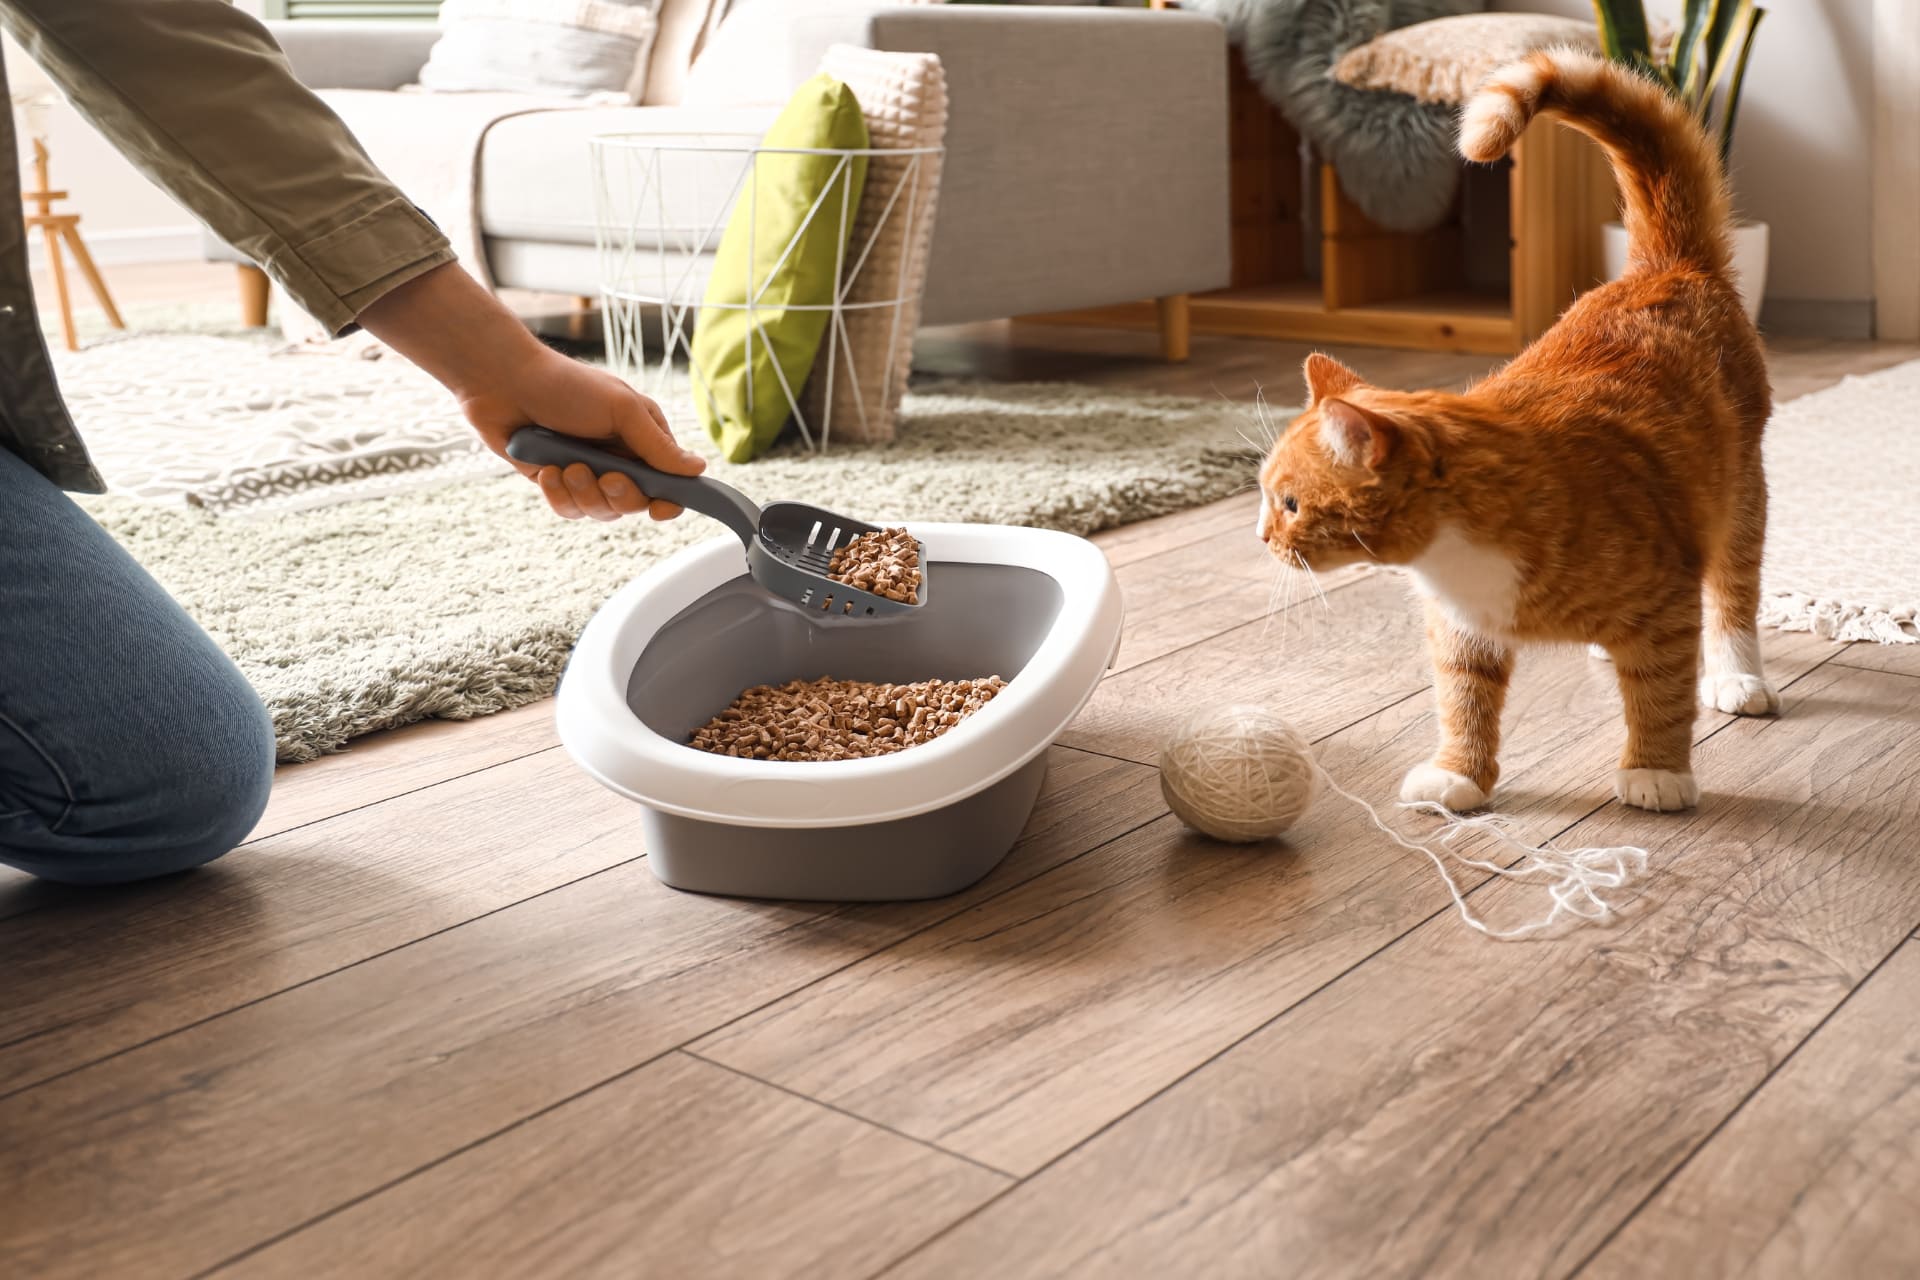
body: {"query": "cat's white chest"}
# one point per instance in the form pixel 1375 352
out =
pixel 1475 584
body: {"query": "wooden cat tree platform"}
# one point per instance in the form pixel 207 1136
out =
pixel 1375 286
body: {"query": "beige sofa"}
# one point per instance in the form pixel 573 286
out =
pixel 1086 147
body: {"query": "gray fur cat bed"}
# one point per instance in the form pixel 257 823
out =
pixel 1394 155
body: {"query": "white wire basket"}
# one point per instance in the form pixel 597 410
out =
pixel 661 206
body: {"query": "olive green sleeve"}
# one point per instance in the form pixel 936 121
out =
pixel 196 93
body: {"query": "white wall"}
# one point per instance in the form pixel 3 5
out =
pixel 124 217
pixel 1802 155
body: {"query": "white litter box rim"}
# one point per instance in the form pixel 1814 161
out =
pixel 612 744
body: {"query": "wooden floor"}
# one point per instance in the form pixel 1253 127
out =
pixel 437 1018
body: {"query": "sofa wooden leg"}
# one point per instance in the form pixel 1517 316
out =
pixel 1176 326
pixel 254 286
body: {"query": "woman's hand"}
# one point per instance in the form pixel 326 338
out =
pixel 578 400
pixel 505 379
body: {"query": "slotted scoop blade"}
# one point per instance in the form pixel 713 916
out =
pixel 790 545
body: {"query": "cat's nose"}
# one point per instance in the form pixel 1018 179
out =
pixel 1263 519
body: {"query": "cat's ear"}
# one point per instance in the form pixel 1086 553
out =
pixel 1356 437
pixel 1328 377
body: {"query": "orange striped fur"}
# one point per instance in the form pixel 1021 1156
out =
pixel 1604 487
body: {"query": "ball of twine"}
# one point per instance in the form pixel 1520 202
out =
pixel 1238 773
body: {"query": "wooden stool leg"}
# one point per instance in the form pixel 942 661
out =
pixel 1176 326
pixel 254 286
pixel 59 270
pixel 92 273
pixel 577 322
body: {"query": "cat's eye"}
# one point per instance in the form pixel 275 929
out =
pixel 1292 505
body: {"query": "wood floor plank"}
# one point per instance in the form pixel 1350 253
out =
pixel 1897 659
pixel 253 1123
pixel 1801 366
pixel 1455 1106
pixel 1233 369
pixel 1188 594
pixel 292 907
pixel 1131 542
pixel 1011 1032
pixel 1320 667
pixel 682 1168
pixel 1819 1174
pixel 371 769
pixel 384 765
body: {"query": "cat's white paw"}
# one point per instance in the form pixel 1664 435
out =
pixel 1741 695
pixel 1598 652
pixel 1430 784
pixel 1661 790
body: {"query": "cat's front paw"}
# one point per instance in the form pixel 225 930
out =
pixel 1740 695
pixel 1661 790
pixel 1430 784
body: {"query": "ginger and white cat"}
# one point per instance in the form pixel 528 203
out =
pixel 1604 487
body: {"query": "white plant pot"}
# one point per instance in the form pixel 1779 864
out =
pixel 1749 260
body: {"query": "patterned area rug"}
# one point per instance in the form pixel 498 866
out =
pixel 230 424
pixel 1843 521
pixel 464 598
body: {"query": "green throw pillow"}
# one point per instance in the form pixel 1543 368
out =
pixel 735 350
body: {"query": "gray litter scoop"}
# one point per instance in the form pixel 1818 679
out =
pixel 789 544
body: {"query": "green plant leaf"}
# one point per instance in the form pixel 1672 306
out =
pixel 1732 107
pixel 1685 58
pixel 1623 31
pixel 1721 41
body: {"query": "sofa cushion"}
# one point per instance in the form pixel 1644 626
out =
pixel 536 171
pixel 581 49
pixel 684 28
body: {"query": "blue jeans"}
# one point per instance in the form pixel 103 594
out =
pixel 130 745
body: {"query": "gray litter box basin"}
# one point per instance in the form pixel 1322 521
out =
pixel 1038 609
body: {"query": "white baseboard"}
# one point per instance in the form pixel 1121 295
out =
pixel 127 246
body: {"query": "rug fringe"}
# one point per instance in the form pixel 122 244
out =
pixel 1839 621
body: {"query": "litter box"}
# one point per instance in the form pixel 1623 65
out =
pixel 674 647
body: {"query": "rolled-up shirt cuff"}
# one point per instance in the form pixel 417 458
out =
pixel 336 276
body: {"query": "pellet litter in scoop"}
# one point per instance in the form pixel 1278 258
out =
pixel 828 719
pixel 886 562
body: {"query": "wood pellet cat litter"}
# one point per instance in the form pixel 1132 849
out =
pixel 886 563
pixel 829 719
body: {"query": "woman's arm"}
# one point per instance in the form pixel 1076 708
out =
pixel 197 95
pixel 505 378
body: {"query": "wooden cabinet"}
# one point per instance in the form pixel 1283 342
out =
pixel 1382 287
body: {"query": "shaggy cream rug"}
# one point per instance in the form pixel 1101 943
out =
pixel 1843 519
pixel 464 599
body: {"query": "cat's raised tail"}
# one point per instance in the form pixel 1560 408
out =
pixel 1674 193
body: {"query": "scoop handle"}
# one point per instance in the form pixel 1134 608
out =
pixel 544 448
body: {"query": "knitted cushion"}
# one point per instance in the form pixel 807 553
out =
pixel 1445 60
pixel 904 99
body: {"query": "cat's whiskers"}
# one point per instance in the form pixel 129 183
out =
pixel 1279 599
pixel 1262 416
pixel 1313 581
pixel 1364 547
